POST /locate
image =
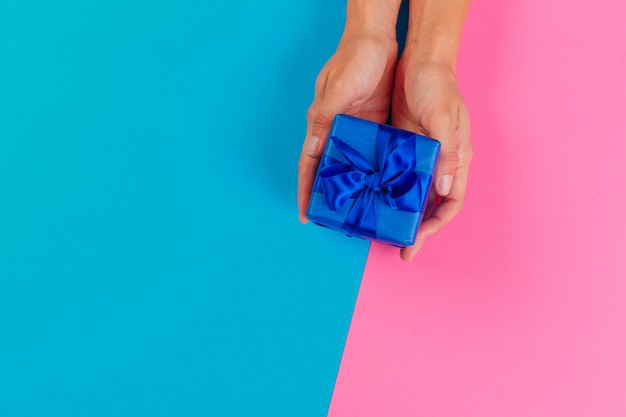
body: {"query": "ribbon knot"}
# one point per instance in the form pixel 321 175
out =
pixel 372 181
pixel 392 178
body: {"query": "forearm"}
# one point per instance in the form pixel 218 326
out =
pixel 434 31
pixel 372 18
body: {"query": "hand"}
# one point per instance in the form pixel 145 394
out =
pixel 356 80
pixel 426 100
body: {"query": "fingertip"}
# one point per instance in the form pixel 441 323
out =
pixel 444 185
pixel 446 169
pixel 306 175
pixel 408 253
pixel 405 254
pixel 303 204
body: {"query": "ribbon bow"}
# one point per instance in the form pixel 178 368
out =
pixel 397 184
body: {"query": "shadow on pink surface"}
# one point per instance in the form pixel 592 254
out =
pixel 516 308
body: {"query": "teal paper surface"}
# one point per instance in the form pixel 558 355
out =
pixel 151 261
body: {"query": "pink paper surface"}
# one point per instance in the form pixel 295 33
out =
pixel 518 307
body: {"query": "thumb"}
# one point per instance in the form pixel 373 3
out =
pixel 445 132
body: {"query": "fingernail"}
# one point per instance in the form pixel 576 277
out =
pixel 314 147
pixel 445 183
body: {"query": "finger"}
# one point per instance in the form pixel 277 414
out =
pixel 444 210
pixel 440 216
pixel 433 201
pixel 408 253
pixel 306 173
pixel 443 128
pixel 465 150
pixel 449 207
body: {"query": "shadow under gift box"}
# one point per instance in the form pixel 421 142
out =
pixel 373 181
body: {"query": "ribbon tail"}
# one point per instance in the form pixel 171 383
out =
pixel 360 210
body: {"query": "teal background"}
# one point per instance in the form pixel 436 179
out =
pixel 151 261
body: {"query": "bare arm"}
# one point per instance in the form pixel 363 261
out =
pixel 434 31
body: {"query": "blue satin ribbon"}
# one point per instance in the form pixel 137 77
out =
pixel 397 183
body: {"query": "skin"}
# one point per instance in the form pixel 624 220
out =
pixel 365 79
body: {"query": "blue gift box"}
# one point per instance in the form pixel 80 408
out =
pixel 373 181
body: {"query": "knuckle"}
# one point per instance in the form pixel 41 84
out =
pixel 321 120
pixel 466 153
pixel 449 156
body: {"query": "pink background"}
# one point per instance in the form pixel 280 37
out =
pixel 518 307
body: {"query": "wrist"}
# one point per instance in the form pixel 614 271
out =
pixel 372 19
pixel 434 31
pixel 438 52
